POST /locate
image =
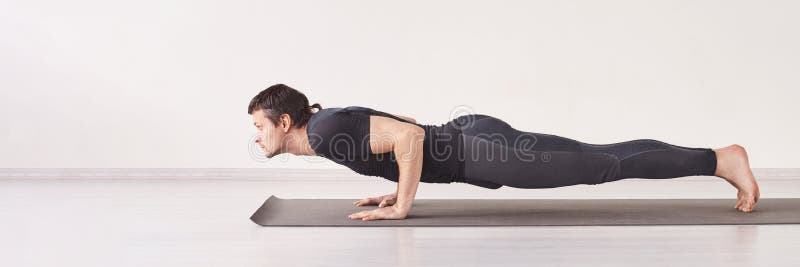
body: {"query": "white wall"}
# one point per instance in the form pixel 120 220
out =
pixel 134 84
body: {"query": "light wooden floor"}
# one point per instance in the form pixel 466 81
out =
pixel 205 223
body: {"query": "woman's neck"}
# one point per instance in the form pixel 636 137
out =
pixel 297 142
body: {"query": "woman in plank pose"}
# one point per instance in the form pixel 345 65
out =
pixel 476 149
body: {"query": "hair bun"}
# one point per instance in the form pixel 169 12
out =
pixel 316 105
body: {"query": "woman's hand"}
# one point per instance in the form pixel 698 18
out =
pixel 381 201
pixel 385 213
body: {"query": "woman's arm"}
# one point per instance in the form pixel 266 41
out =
pixel 407 147
pixel 406 141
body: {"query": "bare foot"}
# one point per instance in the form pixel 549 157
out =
pixel 734 167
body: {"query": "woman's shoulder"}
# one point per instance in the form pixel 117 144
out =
pixel 348 116
pixel 336 119
pixel 346 109
pixel 356 108
pixel 360 110
pixel 336 129
pixel 337 113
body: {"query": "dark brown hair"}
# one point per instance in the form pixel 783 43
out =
pixel 281 99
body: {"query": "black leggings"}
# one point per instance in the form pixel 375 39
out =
pixel 495 154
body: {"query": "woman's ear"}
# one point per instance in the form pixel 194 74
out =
pixel 286 122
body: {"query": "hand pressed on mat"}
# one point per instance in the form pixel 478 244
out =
pixel 385 213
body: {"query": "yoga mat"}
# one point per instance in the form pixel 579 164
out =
pixel 532 212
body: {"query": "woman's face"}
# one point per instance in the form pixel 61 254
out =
pixel 269 136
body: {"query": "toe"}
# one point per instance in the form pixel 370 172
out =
pixel 747 206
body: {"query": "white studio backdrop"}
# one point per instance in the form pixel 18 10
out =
pixel 165 84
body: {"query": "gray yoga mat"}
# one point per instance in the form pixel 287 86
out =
pixel 532 212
